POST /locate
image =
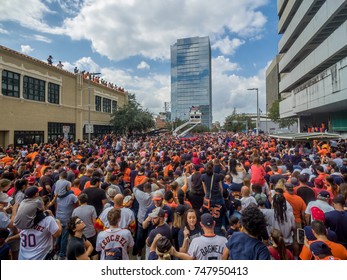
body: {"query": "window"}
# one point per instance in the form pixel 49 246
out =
pixel 106 105
pixel 55 131
pixel 53 93
pixel 98 103
pixel 10 83
pixel 114 106
pixel 28 137
pixel 34 89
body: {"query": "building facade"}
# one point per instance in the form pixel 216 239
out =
pixel 39 102
pixel 313 64
pixel 191 84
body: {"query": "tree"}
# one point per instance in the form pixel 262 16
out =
pixel 132 118
pixel 274 115
pixel 236 122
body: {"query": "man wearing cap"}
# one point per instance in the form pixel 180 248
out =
pixel 158 199
pixel 336 220
pixel 209 246
pixel 157 217
pixel 321 251
pixel 322 203
pixel 28 208
pixel 320 233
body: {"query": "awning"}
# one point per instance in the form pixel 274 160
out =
pixel 306 136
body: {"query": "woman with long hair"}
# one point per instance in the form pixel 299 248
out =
pixel 282 219
pixel 278 248
pixel 212 185
pixel 189 230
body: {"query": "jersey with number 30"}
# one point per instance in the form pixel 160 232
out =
pixel 35 243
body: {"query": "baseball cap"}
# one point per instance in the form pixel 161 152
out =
pixel 180 209
pixel 31 180
pixel 324 195
pixel 157 213
pixel 317 214
pixel 4 198
pixel 31 192
pixel 320 248
pixel 207 220
pixel 178 173
pixel 289 187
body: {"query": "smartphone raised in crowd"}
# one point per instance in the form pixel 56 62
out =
pixel 300 236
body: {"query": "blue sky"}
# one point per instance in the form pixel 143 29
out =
pixel 128 41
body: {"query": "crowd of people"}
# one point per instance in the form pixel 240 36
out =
pixel 87 75
pixel 219 196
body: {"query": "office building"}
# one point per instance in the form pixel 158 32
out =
pixel 312 63
pixel 191 78
pixel 40 102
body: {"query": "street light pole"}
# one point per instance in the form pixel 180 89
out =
pixel 257 122
pixel 89 105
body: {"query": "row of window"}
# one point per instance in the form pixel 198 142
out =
pixel 33 89
pixel 107 105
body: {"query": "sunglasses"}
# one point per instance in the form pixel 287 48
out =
pixel 78 222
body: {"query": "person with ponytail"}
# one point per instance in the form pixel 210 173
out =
pixel 278 248
pixel 282 219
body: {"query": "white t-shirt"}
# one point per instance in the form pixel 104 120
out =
pixel 127 217
pixel 113 238
pixel 37 242
pixel 322 205
pixel 207 247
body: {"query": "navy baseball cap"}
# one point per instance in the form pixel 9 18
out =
pixel 207 220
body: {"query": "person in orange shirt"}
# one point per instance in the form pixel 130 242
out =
pixel 319 231
pixel 299 207
pixel 321 251
pixel 139 179
pixel 76 187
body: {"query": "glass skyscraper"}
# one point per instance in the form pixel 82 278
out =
pixel 191 78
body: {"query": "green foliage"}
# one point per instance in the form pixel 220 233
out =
pixel 132 118
pixel 236 122
pixel 274 115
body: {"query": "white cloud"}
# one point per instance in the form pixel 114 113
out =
pixel 227 46
pixel 26 49
pixel 3 31
pixel 230 90
pixel 143 65
pixel 120 29
pixel 42 38
pixel 29 13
